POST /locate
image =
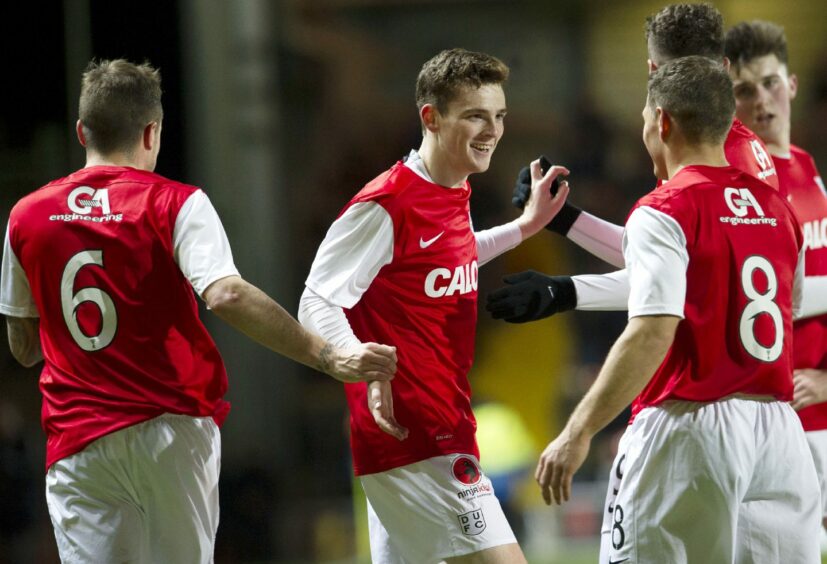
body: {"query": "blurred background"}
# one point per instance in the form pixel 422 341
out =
pixel 281 111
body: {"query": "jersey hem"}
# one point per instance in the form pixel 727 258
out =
pixel 367 469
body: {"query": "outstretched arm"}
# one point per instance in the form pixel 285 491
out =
pixel 258 316
pixel 530 295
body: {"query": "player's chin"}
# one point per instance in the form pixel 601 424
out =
pixel 480 162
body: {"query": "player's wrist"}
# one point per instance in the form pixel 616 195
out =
pixel 565 218
pixel 566 293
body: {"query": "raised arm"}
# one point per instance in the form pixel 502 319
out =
pixel 601 238
pixel 538 209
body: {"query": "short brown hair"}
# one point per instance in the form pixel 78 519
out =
pixel 444 75
pixel 680 30
pixel 697 92
pixel 117 100
pixel 750 40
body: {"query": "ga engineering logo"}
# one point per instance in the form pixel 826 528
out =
pixel 740 201
pixel 82 200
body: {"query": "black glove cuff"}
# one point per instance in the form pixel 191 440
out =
pixel 565 218
pixel 566 293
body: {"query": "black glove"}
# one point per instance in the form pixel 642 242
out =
pixel 531 296
pixel 568 214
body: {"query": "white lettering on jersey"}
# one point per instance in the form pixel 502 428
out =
pixel 815 234
pixel 763 159
pixel 739 205
pixel 94 199
pixel 82 200
pixel 463 280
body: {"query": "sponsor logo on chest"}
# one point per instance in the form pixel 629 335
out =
pixel 446 282
pixel 82 201
pixel 815 234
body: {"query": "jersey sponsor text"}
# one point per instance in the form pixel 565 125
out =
pixel 442 282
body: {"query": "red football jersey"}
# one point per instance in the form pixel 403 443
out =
pixel 743 244
pixel 746 151
pixel 425 303
pixel 119 326
pixel 805 192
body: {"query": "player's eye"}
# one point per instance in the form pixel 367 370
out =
pixel 744 91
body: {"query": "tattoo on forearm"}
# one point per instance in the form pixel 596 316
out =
pixel 325 359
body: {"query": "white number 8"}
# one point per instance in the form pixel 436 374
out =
pixel 70 303
pixel 758 304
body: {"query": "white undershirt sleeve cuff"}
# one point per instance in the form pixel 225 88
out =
pixel 200 245
pixel 325 319
pixel 602 292
pixel 493 242
pixel 16 298
pixel 601 238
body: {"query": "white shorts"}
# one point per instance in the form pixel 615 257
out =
pixel 818 447
pixel 721 482
pixel 438 508
pixel 146 493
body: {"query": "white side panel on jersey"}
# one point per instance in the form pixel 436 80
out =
pixel 601 238
pixel 654 246
pixel 200 245
pixel 815 297
pixel 356 247
pixel 15 294
pixel 602 292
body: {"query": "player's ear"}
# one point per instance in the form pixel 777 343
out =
pixel 81 135
pixel 430 117
pixel 664 123
pixel 793 79
pixel 149 138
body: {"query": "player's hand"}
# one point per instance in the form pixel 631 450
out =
pixel 363 362
pixel 380 403
pixel 530 296
pixel 558 463
pixel 562 220
pixel 542 205
pixel 810 387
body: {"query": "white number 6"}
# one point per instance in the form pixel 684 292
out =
pixel 70 302
pixel 758 304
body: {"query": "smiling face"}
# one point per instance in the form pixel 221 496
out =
pixel 763 92
pixel 468 131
